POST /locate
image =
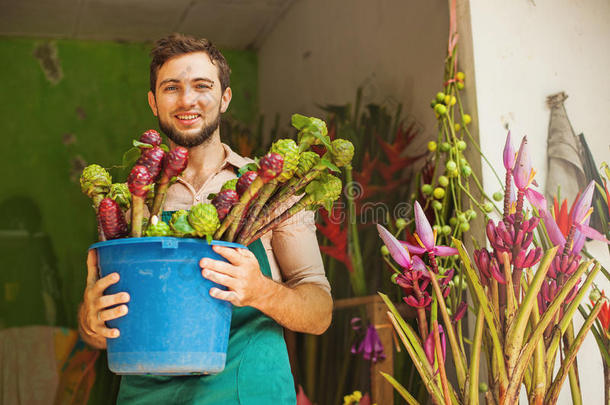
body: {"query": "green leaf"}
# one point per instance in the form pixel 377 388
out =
pixel 164 147
pixel 328 164
pixel 131 157
pixel 139 144
pixel 247 168
pixel 300 121
pixel 490 318
pixel 401 390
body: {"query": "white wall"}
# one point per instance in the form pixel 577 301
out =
pixel 321 51
pixel 525 50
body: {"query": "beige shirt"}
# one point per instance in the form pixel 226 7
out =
pixel 292 246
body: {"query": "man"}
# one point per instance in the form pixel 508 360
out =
pixel 279 281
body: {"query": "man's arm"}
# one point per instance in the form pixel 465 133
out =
pixel 303 308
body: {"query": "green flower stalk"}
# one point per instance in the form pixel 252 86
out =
pixel 180 225
pixel 270 166
pixel 321 192
pixel 341 153
pixel 307 160
pixel 204 220
pixel 95 182
pixel 288 149
pixel 119 192
pixel 157 228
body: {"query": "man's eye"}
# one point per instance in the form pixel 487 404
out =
pixel 203 86
pixel 171 88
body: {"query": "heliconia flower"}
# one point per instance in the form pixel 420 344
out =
pixel 604 313
pixel 509 154
pixel 523 173
pixel 426 237
pixel 429 346
pixel 370 347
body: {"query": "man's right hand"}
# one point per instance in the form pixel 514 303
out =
pixel 98 308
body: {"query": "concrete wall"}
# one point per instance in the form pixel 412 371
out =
pixel 322 51
pixel 524 51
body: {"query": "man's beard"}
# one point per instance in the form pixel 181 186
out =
pixel 190 141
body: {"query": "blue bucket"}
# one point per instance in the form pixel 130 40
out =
pixel 173 326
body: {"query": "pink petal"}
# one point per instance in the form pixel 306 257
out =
pixel 536 199
pixel 423 228
pixel 509 153
pixel 414 249
pixel 581 207
pixel 523 166
pixel 591 233
pixel 302 398
pixel 445 251
pixel 418 263
pixel 553 230
pixel 397 251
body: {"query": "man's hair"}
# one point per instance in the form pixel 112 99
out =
pixel 179 44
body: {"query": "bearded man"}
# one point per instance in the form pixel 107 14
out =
pixel 277 282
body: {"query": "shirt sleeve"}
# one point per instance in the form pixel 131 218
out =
pixel 297 253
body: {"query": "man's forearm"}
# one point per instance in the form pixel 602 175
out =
pixel 305 308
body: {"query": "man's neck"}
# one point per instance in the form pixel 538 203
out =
pixel 204 160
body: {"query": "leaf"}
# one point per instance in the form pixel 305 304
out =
pixel 328 164
pixel 139 144
pixel 247 168
pixel 131 157
pixel 300 122
pixel 492 322
pixel 164 147
pixel 401 390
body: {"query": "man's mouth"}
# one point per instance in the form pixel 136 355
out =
pixel 187 118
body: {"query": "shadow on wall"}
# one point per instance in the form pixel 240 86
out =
pixel 30 288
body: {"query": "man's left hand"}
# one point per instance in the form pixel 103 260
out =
pixel 242 276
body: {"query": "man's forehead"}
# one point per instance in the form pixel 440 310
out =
pixel 188 66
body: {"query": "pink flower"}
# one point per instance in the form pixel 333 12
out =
pixel 509 154
pixel 523 173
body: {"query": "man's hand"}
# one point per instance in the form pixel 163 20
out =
pixel 304 308
pixel 95 309
pixel 247 286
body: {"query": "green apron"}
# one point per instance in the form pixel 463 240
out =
pixel 257 370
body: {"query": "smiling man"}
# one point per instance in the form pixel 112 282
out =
pixel 278 282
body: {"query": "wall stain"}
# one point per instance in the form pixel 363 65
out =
pixel 46 53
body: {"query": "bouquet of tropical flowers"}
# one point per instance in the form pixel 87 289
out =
pixel 288 179
pixel 525 289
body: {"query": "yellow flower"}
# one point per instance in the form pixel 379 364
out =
pixel 352 399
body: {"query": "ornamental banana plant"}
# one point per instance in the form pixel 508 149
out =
pixel 524 298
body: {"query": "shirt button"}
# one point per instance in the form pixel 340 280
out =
pixel 198 198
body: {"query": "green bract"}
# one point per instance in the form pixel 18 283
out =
pixel 95 182
pixel 159 229
pixel 289 150
pixel 307 160
pixel 204 219
pixel 342 152
pixel 119 192
pixel 229 185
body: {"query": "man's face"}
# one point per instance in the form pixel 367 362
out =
pixel 188 99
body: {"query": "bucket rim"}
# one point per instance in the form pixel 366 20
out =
pixel 161 239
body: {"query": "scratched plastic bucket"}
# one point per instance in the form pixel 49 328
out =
pixel 173 326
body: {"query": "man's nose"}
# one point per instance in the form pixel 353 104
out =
pixel 188 98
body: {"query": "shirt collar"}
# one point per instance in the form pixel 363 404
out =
pixel 233 159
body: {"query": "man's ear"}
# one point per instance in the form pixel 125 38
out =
pixel 152 102
pixel 226 99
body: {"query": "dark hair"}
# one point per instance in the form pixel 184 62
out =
pixel 179 44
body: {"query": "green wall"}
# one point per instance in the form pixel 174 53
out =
pixel 50 129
